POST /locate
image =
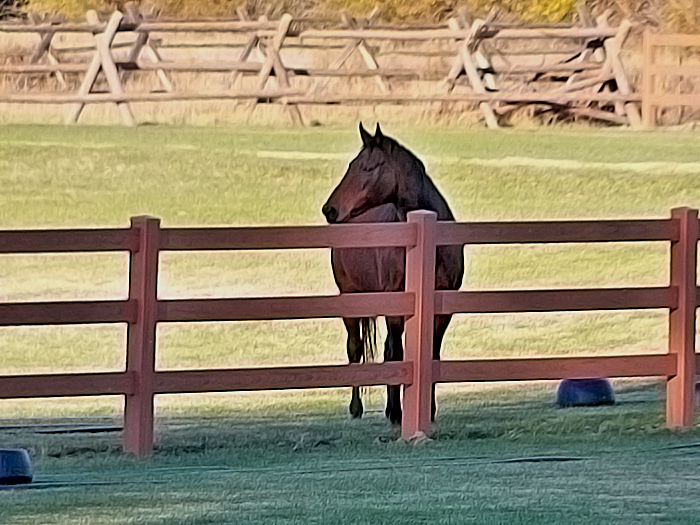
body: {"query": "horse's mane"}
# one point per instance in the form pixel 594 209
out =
pixel 407 153
pixel 417 169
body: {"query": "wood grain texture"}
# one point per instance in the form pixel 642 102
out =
pixel 286 237
pixel 449 34
pixel 420 281
pixel 508 301
pixel 53 241
pixel 303 307
pixel 290 377
pixel 557 231
pixel 67 312
pixel 674 99
pixel 141 338
pixel 61 385
pixel 515 98
pixel 656 75
pixel 675 39
pixel 680 387
pixel 553 368
pixel 88 97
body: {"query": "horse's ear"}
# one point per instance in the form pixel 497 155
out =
pixel 379 138
pixel 367 139
pixel 378 133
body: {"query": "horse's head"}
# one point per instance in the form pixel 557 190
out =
pixel 371 179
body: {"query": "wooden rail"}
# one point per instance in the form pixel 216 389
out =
pixel 656 74
pixel 143 310
pixel 574 68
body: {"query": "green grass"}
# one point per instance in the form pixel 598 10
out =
pixel 285 463
pixel 294 457
pixel 100 176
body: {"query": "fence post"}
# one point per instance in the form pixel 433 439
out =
pixel 420 280
pixel 141 340
pixel 680 388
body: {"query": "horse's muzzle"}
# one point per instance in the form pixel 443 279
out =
pixel 331 213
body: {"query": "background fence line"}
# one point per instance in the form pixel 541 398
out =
pixel 143 310
pixel 657 73
pixel 570 69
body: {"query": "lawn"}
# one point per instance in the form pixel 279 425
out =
pixel 294 457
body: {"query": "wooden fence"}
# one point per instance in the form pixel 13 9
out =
pixel 570 68
pixel 657 73
pixel 145 239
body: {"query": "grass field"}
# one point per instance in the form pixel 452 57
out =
pixel 294 457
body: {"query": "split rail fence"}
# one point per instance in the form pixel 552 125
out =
pixel 573 69
pixel 143 310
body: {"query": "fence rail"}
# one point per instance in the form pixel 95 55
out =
pixel 571 69
pixel 143 310
pixel 471 62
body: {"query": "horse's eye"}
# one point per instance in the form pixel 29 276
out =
pixel 367 169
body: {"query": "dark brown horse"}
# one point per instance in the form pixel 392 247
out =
pixel 382 184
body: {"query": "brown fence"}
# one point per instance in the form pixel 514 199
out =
pixel 663 73
pixel 145 239
pixel 567 68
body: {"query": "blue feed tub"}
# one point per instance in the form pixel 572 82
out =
pixel 15 467
pixel 585 392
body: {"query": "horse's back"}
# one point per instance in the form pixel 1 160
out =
pixel 370 269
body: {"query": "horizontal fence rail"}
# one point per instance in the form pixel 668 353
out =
pixel 62 385
pixel 54 241
pixel 543 368
pixel 286 237
pixel 67 312
pixel 395 373
pixel 557 232
pixel 143 310
pixel 555 300
pixel 267 308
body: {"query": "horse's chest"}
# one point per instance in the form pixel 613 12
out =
pixel 369 269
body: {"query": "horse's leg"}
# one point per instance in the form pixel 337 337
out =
pixel 393 351
pixel 352 325
pixel 441 323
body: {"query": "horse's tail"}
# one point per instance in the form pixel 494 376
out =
pixel 368 336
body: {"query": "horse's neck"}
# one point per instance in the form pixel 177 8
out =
pixel 419 193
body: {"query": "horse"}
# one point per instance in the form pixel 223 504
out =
pixel 370 270
pixel 383 183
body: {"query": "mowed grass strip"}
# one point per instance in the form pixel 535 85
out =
pixel 504 457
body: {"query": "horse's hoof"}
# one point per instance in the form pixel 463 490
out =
pixel 356 409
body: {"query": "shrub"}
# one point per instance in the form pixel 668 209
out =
pixel 12 9
pixel 672 15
